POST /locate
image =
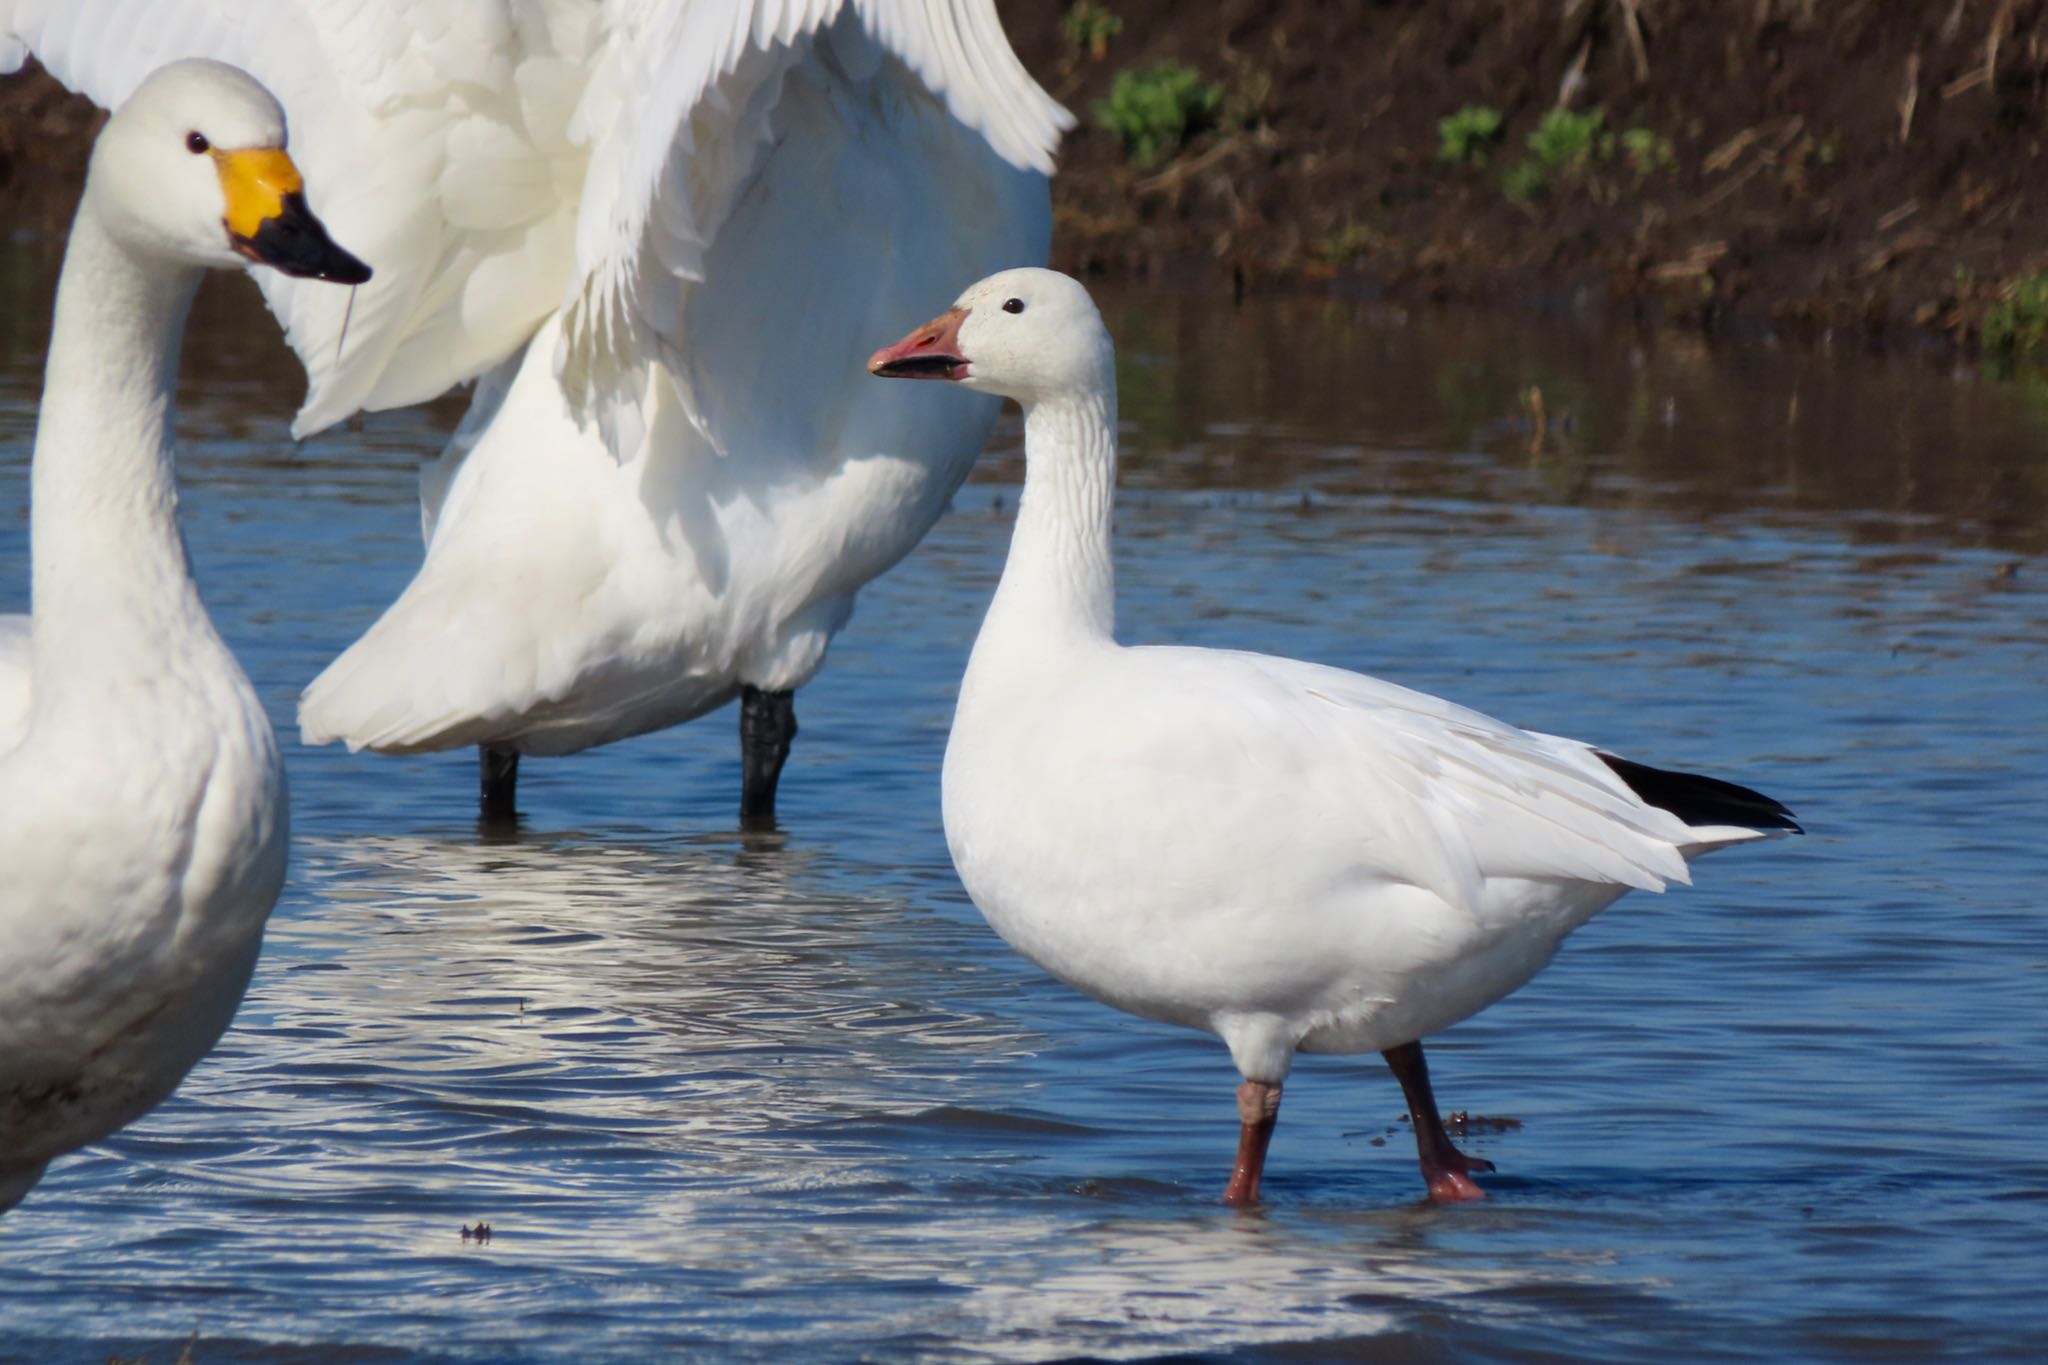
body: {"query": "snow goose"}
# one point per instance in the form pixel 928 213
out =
pixel 1291 856
pixel 650 227
pixel 142 804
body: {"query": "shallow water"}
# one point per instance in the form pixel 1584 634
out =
pixel 786 1097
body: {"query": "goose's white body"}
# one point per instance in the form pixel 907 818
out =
pixel 1291 856
pixel 652 226
pixel 142 802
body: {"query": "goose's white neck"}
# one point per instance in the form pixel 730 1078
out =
pixel 1059 576
pixel 109 565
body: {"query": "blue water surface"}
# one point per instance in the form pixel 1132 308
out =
pixel 785 1097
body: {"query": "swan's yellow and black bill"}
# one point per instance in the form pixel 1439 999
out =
pixel 930 352
pixel 268 221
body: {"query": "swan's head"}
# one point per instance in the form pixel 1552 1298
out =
pixel 193 167
pixel 1024 334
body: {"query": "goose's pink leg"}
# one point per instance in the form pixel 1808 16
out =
pixel 1446 1170
pixel 1258 1108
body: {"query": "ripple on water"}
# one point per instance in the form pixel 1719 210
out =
pixel 786 1096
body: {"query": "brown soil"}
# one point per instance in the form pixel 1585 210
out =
pixel 44 132
pixel 1871 165
pixel 1854 163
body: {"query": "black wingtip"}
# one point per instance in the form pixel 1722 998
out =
pixel 1701 800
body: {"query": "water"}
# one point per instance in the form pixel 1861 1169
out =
pixel 785 1097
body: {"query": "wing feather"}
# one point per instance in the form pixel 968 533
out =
pixel 1443 797
pixel 17 669
pixel 430 144
pixel 495 160
pixel 677 120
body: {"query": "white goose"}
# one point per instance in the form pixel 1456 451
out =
pixel 1294 857
pixel 142 804
pixel 650 225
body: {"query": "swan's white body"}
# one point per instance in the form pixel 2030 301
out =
pixel 142 802
pixel 653 227
pixel 1291 856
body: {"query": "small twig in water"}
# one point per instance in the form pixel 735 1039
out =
pixel 1181 170
pixel 1954 20
pixel 346 314
pixel 1574 79
pixel 2000 23
pixel 1631 24
pixel 1898 215
pixel 1910 99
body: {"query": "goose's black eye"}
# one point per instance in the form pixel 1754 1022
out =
pixel 196 143
pixel 1013 305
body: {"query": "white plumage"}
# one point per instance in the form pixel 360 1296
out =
pixel 661 232
pixel 1292 856
pixel 142 802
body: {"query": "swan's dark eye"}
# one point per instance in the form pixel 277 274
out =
pixel 1013 305
pixel 196 143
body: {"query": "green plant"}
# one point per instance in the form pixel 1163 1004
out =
pixel 1566 146
pixel 1647 152
pixel 1089 27
pixel 2018 323
pixel 1525 180
pixel 1562 147
pixel 1462 137
pixel 1244 104
pixel 1352 240
pixel 1566 141
pixel 1156 109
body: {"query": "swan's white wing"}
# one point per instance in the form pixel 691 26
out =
pixel 14 680
pixel 1441 796
pixel 828 194
pixel 433 135
pixel 495 159
pixel 686 106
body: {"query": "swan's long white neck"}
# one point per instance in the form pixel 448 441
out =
pixel 109 564
pixel 1059 577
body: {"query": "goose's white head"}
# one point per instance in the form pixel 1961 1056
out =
pixel 1024 334
pixel 193 167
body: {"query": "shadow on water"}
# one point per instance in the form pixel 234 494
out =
pixel 758 1097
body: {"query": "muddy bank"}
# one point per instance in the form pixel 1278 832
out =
pixel 1854 164
pixel 44 136
pixel 1864 165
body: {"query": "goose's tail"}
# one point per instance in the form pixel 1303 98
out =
pixel 1719 812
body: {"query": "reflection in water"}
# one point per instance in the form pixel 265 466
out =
pixel 690 1064
pixel 1329 398
pixel 724 1097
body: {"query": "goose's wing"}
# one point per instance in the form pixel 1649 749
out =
pixel 698 114
pixel 1444 797
pixel 433 135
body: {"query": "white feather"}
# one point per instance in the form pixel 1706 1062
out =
pixel 705 212
pixel 1289 855
pixel 434 127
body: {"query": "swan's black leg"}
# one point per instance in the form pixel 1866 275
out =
pixel 1446 1170
pixel 767 725
pixel 498 770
